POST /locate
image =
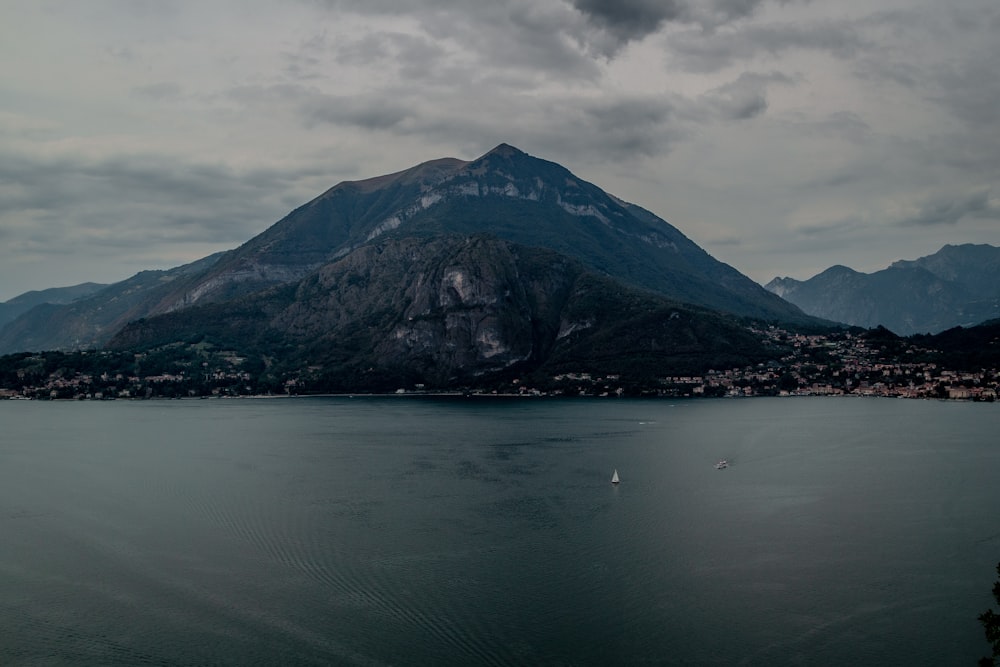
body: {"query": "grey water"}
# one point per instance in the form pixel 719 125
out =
pixel 388 531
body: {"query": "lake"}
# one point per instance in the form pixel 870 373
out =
pixel 420 531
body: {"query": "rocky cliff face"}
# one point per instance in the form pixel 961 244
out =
pixel 434 306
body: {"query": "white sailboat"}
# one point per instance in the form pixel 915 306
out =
pixel 614 477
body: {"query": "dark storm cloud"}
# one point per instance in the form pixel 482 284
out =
pixel 381 110
pixel 839 125
pixel 629 20
pixel 971 89
pixel 955 74
pixel 549 39
pixel 492 104
pixel 369 114
pixel 630 127
pixel 742 99
pixel 413 55
pixel 829 228
pixel 949 209
pixel 572 129
pixel 726 11
pixel 955 70
pixel 640 113
pixel 410 56
pixel 696 51
pixel 136 200
pixel 567 128
pixel 619 129
pixel 632 19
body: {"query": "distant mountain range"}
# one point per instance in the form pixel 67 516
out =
pixel 88 321
pixel 11 310
pixel 506 195
pixel 957 286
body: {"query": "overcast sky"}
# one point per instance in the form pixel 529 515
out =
pixel 782 136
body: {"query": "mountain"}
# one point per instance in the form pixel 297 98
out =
pixel 505 193
pixel 454 310
pixel 89 321
pixel 14 308
pixel 956 286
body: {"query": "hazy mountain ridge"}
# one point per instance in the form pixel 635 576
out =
pixel 449 310
pixel 956 286
pixel 506 193
pixel 90 321
pixel 14 308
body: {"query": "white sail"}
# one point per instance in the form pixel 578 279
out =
pixel 614 477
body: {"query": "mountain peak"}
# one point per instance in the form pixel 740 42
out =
pixel 505 150
pixel 838 270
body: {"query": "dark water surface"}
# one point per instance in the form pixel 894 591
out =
pixel 486 532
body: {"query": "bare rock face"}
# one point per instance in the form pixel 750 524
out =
pixel 444 306
pixel 465 313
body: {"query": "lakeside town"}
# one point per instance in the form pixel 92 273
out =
pixel 858 363
pixel 842 364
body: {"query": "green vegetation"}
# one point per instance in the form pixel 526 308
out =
pixel 178 370
pixel 991 626
pixel 965 347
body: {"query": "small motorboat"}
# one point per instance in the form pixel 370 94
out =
pixel 722 464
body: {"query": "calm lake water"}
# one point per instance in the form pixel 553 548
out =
pixel 387 531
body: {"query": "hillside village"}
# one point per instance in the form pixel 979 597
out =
pixel 831 364
pixel 834 364
pixel 839 364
